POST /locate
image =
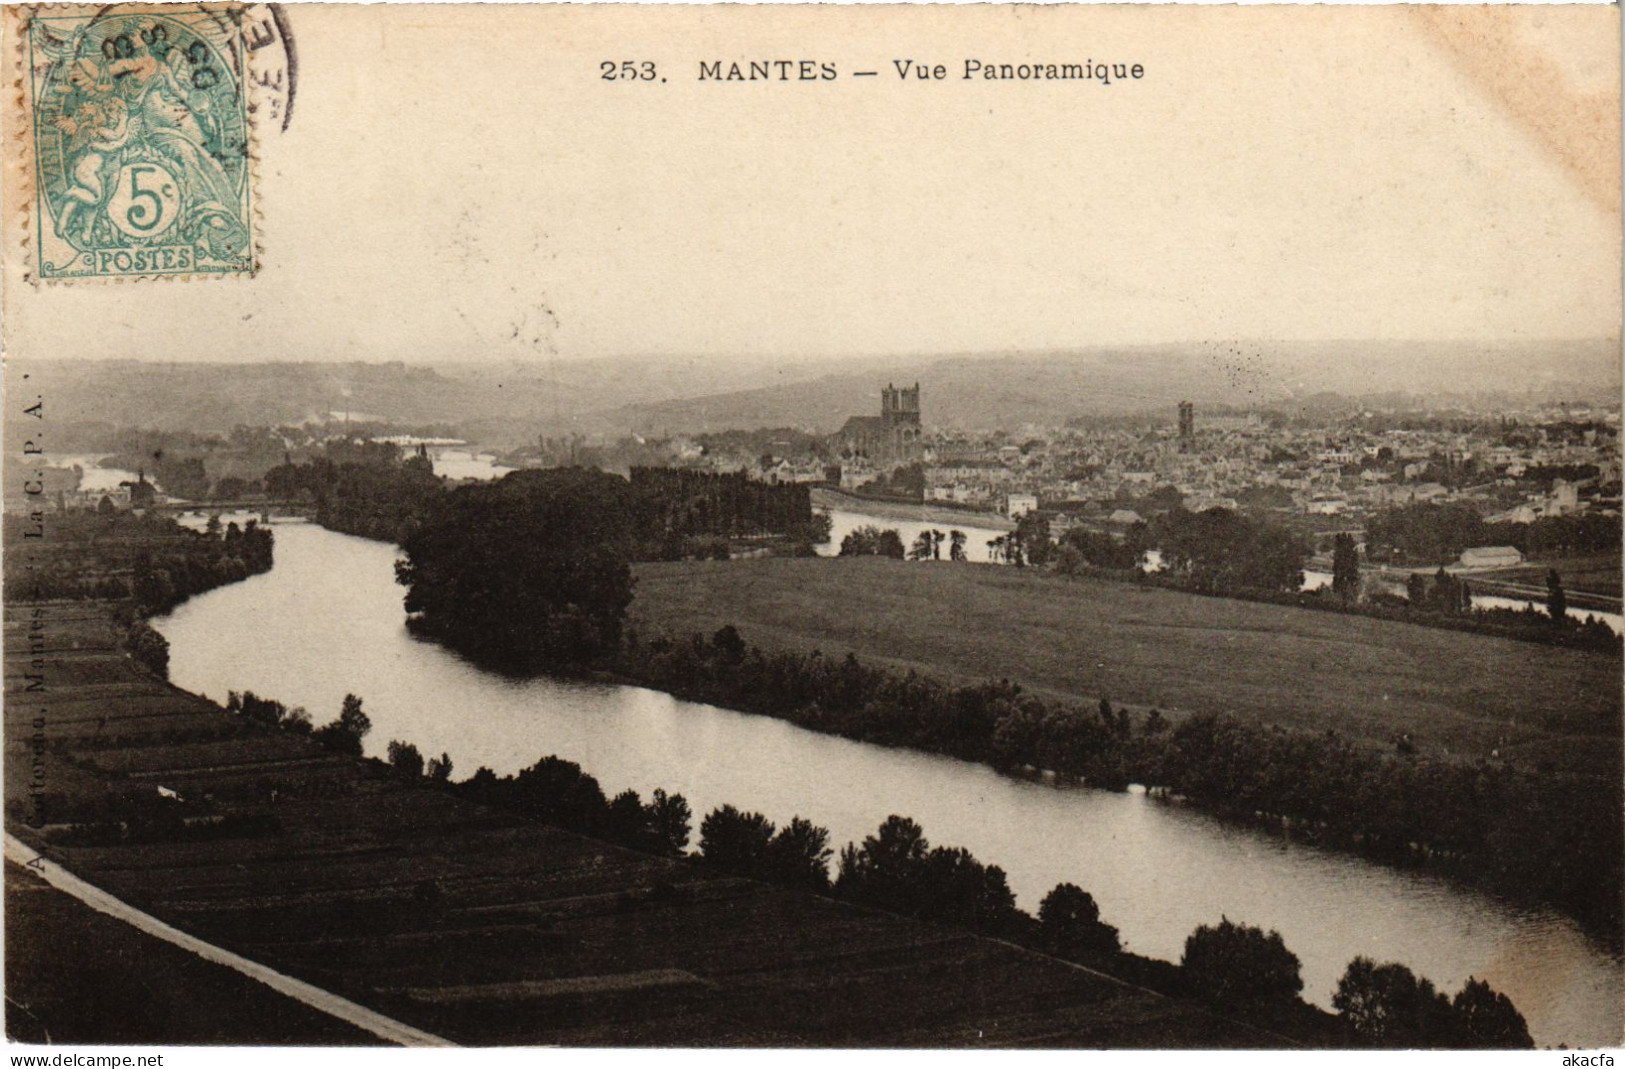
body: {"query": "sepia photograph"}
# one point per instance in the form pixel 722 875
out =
pixel 866 527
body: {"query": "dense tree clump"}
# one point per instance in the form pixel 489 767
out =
pixel 1071 925
pixel 150 561
pixel 362 488
pixel 530 573
pixel 678 507
pixel 1219 550
pixel 405 759
pixel 871 541
pixel 748 844
pixel 1082 548
pixel 1389 1006
pixel 896 869
pixel 366 488
pixel 558 792
pixel 148 647
pixel 1233 963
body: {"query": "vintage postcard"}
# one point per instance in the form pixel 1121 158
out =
pixel 869 526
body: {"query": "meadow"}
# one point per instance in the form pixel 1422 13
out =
pixel 1456 694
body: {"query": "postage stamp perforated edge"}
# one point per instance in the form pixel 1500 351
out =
pixel 30 228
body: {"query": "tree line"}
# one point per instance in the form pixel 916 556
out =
pixel 152 562
pixel 368 489
pixel 1238 969
pixel 1437 533
pixel 680 505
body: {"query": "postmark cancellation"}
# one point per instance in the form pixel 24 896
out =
pixel 136 142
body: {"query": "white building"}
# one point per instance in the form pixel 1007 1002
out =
pixel 1016 505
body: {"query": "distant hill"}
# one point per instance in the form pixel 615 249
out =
pixel 507 404
pixel 1008 391
pixel 492 403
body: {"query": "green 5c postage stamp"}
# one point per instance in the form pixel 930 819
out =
pixel 142 160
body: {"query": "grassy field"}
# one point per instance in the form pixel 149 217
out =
pixel 1456 693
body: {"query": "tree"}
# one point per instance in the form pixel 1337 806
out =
pixel 1071 927
pixel 149 647
pixel 626 819
pixel 729 644
pixel 1032 535
pixel 439 769
pixel 896 869
pixel 1416 590
pixel 1447 592
pixel 881 871
pixel 1007 548
pixel 860 541
pixel 1345 567
pixel 927 546
pixel 1488 1020
pixel 735 841
pixel 557 792
pixel 1233 963
pixel 352 720
pixel 956 545
pixel 405 759
pixel 668 820
pixel 798 856
pixel 1557 602
pixel 890 545
pixel 345 733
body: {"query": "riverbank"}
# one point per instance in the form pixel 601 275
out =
pixel 824 498
pixel 482 927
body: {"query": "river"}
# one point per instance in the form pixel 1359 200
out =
pixel 327 619
pixel 843 522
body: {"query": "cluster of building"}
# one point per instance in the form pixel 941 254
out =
pixel 61 488
pixel 1333 475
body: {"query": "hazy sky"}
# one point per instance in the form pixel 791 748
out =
pixel 458 183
